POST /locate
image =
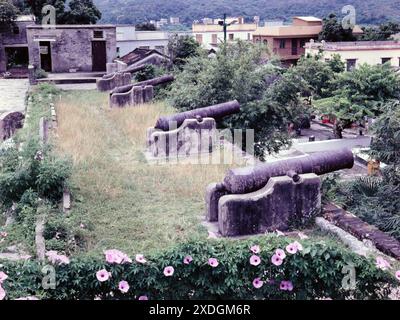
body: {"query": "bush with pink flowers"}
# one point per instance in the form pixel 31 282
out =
pixel 212 269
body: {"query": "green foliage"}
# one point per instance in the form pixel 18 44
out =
pixel 361 92
pixel 380 33
pixel 386 143
pixel 376 200
pixel 181 48
pixel 333 31
pixel 82 12
pixel 71 12
pixel 134 11
pixel 316 272
pixel 146 26
pixel 239 71
pixel 8 13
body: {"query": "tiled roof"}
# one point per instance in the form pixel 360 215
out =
pixel 139 54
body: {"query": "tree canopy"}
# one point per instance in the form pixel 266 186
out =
pixel 333 30
pixel 8 13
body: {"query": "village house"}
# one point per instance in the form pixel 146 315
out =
pixel 14 52
pixel 209 33
pixel 357 53
pixel 129 39
pixel 288 41
pixel 71 48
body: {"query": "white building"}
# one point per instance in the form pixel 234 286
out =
pixel 359 52
pixel 129 39
pixel 209 33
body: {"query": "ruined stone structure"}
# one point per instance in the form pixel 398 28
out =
pixel 110 81
pixel 273 195
pixel 14 44
pixel 71 48
pixel 9 123
pixel 188 133
pixel 138 93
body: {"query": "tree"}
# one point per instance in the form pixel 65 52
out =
pixel 333 31
pixel 8 13
pixel 361 92
pixel 383 32
pixel 386 143
pixel 238 71
pixel 181 48
pixel 82 12
pixel 146 26
pixel 36 7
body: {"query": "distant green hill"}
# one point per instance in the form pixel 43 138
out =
pixel 134 11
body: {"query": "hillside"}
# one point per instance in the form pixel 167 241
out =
pixel 134 11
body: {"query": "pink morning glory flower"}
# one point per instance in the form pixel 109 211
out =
pixel 382 263
pixel 187 260
pixel 286 286
pixel 398 275
pixel 213 262
pixel 280 253
pixel 3 277
pixel 298 245
pixel 143 298
pixel 140 258
pixel 255 249
pixel 103 275
pixel 123 286
pixel 276 260
pixel 116 256
pixel 291 248
pixel 258 283
pixel 255 260
pixel 2 293
pixel 168 271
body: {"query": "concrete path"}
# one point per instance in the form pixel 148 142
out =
pixel 12 94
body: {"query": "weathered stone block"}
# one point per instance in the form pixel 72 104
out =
pixel 113 80
pixel 214 192
pixel 275 206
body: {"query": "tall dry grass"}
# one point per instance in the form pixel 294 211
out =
pixel 132 205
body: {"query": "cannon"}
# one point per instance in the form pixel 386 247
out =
pixel 216 112
pixel 188 133
pixel 249 179
pixel 137 93
pixel 273 195
pixel 150 82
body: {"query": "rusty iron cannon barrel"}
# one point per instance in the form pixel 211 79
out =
pixel 151 82
pixel 250 179
pixel 217 111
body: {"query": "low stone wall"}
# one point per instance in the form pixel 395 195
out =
pixel 113 80
pixel 9 123
pixel 362 230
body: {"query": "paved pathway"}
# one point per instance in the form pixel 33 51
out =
pixel 12 94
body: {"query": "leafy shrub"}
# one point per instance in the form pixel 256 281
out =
pixel 315 272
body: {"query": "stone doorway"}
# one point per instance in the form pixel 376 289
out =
pixel 99 56
pixel 45 56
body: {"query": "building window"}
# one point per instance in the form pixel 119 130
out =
pixel 231 36
pixel 199 38
pixel 386 60
pixel 302 43
pixel 16 30
pixel 214 38
pixel 282 44
pixel 249 36
pixel 265 42
pixel 351 64
pixel 98 34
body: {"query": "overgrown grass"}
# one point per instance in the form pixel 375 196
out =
pixel 131 205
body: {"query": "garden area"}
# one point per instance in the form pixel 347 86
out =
pixel 135 231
